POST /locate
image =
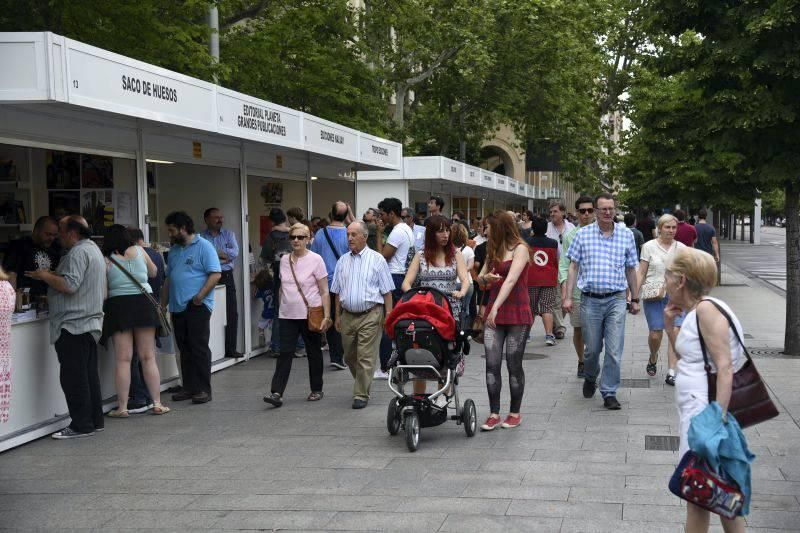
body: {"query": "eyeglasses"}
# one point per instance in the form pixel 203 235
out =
pixel 607 209
pixel 297 237
pixel 588 210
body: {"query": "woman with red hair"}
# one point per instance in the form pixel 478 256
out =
pixel 508 315
pixel 441 266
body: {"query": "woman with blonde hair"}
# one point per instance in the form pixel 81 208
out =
pixel 655 256
pixel 689 278
pixel 8 299
pixel 508 315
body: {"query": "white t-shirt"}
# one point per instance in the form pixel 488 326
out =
pixel 657 260
pixel 402 238
pixel 469 257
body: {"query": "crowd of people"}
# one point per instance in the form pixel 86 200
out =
pixel 331 283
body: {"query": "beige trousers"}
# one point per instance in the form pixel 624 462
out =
pixel 361 338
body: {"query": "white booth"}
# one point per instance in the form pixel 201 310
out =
pixel 474 191
pixel 86 131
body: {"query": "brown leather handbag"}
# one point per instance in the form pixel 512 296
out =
pixel 750 402
pixel 316 315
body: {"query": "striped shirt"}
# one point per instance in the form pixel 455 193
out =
pixel 224 241
pixel 602 260
pixel 361 279
pixel 84 273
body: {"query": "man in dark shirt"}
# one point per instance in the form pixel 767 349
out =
pixel 706 235
pixel 39 251
pixel 647 226
pixel 685 232
pixel 630 221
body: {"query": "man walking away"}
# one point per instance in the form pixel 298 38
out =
pixel 638 237
pixel 224 241
pixel 363 287
pixel 76 291
pixel 686 232
pixel 330 242
pixel 543 276
pixel 193 270
pixel 585 209
pixel 556 229
pixel 706 235
pixel 603 261
pixel 398 250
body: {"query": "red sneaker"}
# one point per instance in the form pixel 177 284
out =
pixel 490 423
pixel 512 421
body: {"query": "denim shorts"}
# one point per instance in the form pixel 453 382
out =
pixel 654 313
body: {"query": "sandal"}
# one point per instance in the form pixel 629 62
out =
pixel 118 413
pixel 159 409
pixel 651 366
pixel 315 396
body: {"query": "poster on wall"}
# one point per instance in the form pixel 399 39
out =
pixel 63 203
pixel 123 208
pixel 97 207
pixel 97 172
pixel 272 193
pixel 63 170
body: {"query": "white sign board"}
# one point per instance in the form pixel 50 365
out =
pixel 329 138
pixel 111 82
pixel 240 115
pixel 473 175
pixel 451 170
pixel 379 152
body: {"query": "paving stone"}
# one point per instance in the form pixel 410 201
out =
pixel 135 502
pixel 654 513
pixel 273 520
pixel 774 519
pixel 575 525
pixel 599 511
pixel 501 524
pixel 529 492
pixel 42 519
pixel 283 502
pixel 383 521
pixel 625 496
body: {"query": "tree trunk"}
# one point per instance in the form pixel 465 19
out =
pixel 791 340
pixel 400 90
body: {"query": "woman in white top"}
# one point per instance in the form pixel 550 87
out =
pixel 655 256
pixel 690 276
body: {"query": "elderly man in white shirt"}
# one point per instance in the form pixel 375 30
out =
pixel 363 287
pixel 557 228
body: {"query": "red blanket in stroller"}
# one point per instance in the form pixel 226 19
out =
pixel 424 304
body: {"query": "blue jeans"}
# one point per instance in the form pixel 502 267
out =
pixel 386 342
pixel 604 323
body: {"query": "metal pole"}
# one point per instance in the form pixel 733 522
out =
pixel 213 43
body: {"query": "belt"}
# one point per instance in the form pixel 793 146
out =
pixel 600 294
pixel 360 313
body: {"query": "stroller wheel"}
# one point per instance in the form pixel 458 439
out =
pixel 393 418
pixel 412 431
pixel 470 418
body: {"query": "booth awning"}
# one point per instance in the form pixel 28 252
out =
pixel 41 67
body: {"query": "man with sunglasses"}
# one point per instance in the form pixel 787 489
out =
pixel 556 229
pixel 419 231
pixel 585 209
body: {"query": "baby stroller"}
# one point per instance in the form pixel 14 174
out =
pixel 428 346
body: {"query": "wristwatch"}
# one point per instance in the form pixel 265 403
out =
pixel 635 300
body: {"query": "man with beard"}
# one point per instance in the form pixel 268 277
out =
pixel 330 242
pixel 40 251
pixel 193 272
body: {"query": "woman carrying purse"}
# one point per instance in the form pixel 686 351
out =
pixel 304 290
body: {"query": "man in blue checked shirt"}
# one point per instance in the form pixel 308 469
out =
pixel 603 260
pixel 227 248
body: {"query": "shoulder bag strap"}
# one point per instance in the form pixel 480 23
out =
pixel 136 282
pixel 330 243
pixel 299 288
pixel 730 324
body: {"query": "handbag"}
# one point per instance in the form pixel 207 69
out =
pixel 696 482
pixel 477 329
pixel 750 402
pixel 651 292
pixel 164 328
pixel 315 315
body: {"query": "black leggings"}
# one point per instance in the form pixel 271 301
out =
pixel 513 338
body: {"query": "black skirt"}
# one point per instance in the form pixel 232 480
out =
pixel 124 313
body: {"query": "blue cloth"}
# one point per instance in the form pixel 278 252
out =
pixel 224 241
pixel 654 313
pixel 189 268
pixel 603 322
pixel 602 260
pixel 338 235
pixel 724 447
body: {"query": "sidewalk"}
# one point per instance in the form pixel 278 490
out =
pixel 572 466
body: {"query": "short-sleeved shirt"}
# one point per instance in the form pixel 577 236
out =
pixel 361 279
pixel 705 232
pixel 309 269
pixel 554 233
pixel 686 234
pixel 646 226
pixel 224 241
pixel 24 256
pixel 638 239
pixel 419 237
pixel 602 260
pixel 322 247
pixel 402 238
pixel 188 270
pixel 543 267
pixel 657 260
pixel 81 311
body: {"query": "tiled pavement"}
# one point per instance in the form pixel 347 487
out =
pixel 237 464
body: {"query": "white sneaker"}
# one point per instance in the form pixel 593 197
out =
pixel 380 374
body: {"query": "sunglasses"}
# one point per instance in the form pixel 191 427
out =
pixel 297 237
pixel 588 210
